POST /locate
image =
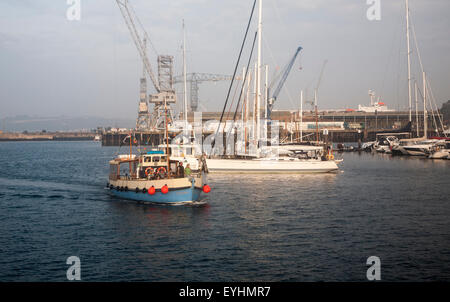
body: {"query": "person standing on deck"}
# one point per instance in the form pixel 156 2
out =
pixel 180 170
pixel 187 171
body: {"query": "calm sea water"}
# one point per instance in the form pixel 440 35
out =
pixel 254 228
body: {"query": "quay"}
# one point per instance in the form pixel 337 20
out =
pixel 342 126
pixel 47 136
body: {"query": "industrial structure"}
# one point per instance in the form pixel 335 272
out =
pixel 342 125
pixel 165 94
pixel 284 76
pixel 194 79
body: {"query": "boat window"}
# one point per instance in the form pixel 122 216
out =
pixel 155 159
pixel 113 170
pixel 124 170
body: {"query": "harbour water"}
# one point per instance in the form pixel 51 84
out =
pixel 53 205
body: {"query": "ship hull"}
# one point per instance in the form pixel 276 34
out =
pixel 180 190
pixel 270 166
pixel 174 196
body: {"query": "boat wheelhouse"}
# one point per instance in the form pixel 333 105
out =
pixel 154 177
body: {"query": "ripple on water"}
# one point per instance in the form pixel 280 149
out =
pixel 266 228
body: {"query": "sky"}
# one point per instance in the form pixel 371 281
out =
pixel 51 66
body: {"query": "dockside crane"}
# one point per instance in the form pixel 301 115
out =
pixel 165 94
pixel 283 78
pixel 195 79
pixel 316 89
pixel 126 11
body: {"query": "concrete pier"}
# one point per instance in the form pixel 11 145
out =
pixel 355 126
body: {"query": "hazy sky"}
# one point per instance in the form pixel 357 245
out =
pixel 52 66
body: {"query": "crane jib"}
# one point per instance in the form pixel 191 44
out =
pixel 286 72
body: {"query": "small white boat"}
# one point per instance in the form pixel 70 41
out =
pixel 384 144
pixel 423 148
pixel 440 151
pixel 399 148
pixel 368 146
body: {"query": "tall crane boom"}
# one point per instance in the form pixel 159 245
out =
pixel 129 20
pixel 196 78
pixel 321 74
pixel 277 91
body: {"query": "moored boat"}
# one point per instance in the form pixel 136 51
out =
pixel 279 165
pixel 440 151
pixel 422 148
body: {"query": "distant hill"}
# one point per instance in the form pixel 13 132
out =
pixel 61 123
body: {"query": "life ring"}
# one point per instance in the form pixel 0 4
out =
pixel 330 156
pixel 161 168
pixel 148 171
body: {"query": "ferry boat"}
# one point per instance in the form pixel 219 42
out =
pixel 151 178
pixel 375 106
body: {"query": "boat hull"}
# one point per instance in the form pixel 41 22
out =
pixel 444 154
pixel 270 166
pixel 416 152
pixel 398 150
pixel 174 196
pixel 180 190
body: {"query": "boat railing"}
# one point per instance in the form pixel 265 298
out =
pixel 194 173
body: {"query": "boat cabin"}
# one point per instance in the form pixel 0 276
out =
pixel 152 165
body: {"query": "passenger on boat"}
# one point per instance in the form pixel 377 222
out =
pixel 161 173
pixel 187 171
pixel 141 173
pixel 180 170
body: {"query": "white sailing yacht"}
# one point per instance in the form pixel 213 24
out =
pixel 293 160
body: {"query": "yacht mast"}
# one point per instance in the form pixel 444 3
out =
pixel 185 82
pixel 258 83
pixel 301 116
pixel 317 115
pixel 166 134
pixel 417 109
pixel 425 124
pixel 254 124
pixel 266 90
pixel 409 59
pixel 243 87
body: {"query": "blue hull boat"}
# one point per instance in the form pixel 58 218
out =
pixel 153 178
pixel 174 196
